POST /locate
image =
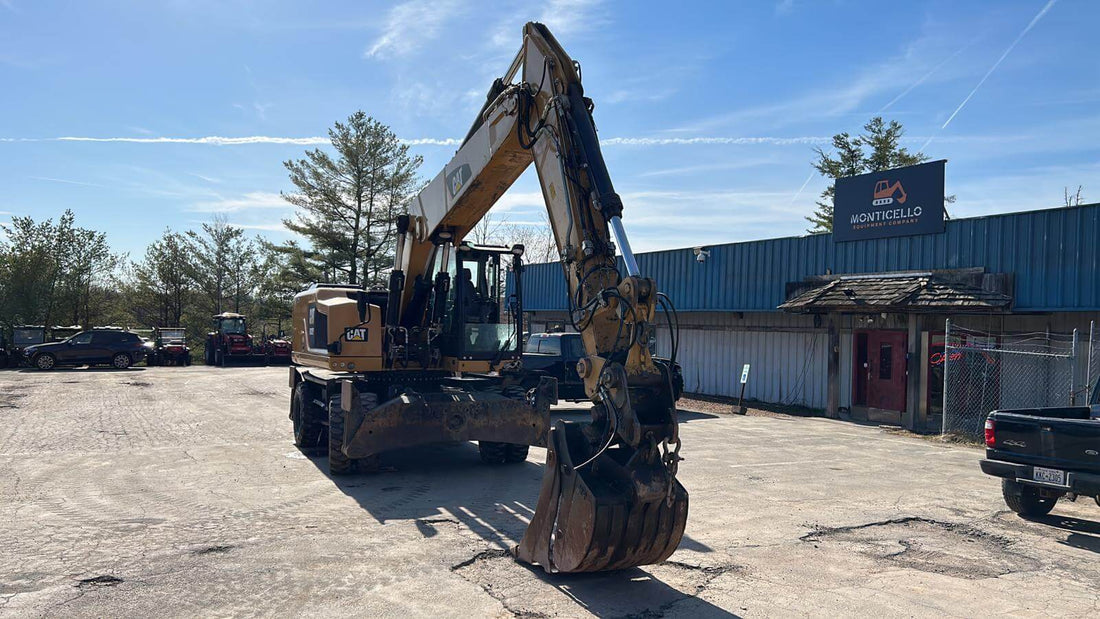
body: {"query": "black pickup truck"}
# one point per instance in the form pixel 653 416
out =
pixel 556 355
pixel 1044 454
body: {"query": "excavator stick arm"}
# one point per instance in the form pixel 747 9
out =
pixel 610 496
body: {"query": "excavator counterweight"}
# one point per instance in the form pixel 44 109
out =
pixel 433 357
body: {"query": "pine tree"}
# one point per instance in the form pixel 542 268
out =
pixel 348 203
pixel 850 159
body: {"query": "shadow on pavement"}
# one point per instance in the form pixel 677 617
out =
pixel 446 488
pixel 1084 534
pixel 81 369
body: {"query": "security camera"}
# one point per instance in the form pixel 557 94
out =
pixel 701 254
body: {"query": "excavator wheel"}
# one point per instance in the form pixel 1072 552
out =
pixel 502 453
pixel 593 518
pixel 491 452
pixel 515 453
pixel 505 453
pixel 308 426
pixel 338 462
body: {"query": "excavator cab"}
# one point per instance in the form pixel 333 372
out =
pixel 476 325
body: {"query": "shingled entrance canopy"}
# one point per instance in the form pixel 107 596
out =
pixel 900 292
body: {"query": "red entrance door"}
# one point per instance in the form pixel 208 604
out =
pixel 886 370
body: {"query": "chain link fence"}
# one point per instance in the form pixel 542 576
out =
pixel 985 371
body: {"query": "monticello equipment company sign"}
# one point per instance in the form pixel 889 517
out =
pixel 898 202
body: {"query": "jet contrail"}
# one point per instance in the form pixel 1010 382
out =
pixel 808 179
pixel 923 78
pixel 307 141
pixel 712 140
pixel 216 140
pixel 1030 25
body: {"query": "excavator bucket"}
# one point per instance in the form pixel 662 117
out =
pixel 619 510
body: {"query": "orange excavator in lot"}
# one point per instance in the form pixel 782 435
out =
pixel 433 356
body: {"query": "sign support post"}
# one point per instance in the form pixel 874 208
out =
pixel 741 410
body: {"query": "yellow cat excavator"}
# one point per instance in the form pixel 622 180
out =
pixel 436 355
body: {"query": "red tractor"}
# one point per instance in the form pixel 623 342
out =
pixel 276 349
pixel 229 341
pixel 169 347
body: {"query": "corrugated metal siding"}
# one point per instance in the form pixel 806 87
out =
pixel 1053 253
pixel 787 355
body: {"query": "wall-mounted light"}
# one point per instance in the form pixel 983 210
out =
pixel 701 254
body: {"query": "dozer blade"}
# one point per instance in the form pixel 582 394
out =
pixel 613 513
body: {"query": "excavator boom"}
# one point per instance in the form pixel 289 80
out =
pixel 610 498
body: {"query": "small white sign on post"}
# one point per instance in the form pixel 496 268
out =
pixel 740 410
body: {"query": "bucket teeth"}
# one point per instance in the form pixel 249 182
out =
pixel 591 520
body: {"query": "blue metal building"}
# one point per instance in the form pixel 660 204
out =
pixel 1041 265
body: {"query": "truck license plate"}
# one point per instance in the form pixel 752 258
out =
pixel 1050 476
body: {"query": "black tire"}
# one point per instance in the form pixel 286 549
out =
pixel 219 358
pixel 1026 500
pixel 309 427
pixel 338 463
pixel 492 452
pixel 514 453
pixel 208 356
pixel 187 360
pixel 121 361
pixel 45 361
pixel 506 453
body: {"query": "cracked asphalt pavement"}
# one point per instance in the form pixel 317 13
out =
pixel 176 492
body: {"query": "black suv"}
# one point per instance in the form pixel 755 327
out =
pixel 120 349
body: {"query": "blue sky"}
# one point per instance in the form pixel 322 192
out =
pixel 709 110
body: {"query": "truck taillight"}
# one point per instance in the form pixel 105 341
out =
pixel 990 434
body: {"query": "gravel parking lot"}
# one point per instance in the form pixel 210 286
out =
pixel 178 492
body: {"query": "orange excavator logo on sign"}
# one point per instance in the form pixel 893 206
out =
pixel 885 192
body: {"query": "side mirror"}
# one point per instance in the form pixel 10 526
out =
pixel 69 342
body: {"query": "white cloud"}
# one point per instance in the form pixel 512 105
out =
pixel 409 25
pixel 853 91
pixel 249 201
pixel 568 17
pixel 432 142
pixel 520 201
pixel 564 18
